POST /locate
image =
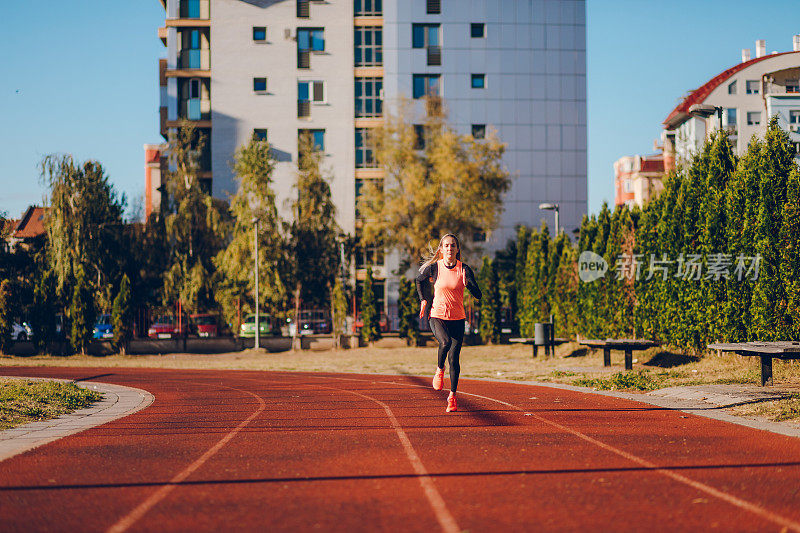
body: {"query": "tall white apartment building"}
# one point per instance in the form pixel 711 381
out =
pixel 280 67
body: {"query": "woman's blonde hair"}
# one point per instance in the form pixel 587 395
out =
pixel 435 255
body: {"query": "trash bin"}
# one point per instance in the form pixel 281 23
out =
pixel 542 336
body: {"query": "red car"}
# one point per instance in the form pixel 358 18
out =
pixel 205 325
pixel 166 327
pixel 384 324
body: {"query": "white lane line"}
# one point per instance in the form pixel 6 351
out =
pixel 435 499
pixel 131 518
pixel 724 496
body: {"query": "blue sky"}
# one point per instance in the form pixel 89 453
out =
pixel 81 77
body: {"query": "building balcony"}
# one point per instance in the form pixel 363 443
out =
pixel 303 59
pixel 194 59
pixel 194 109
pixel 434 56
pixel 194 9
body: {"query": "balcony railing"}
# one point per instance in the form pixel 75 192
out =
pixel 303 108
pixel 434 56
pixel 194 59
pixel 303 11
pixel 303 59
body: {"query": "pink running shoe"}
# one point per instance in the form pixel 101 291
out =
pixel 451 403
pixel 438 379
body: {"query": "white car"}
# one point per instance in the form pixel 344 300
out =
pixel 21 332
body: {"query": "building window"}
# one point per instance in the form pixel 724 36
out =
pixel 318 136
pixel 368 46
pixel 752 86
pixel 477 30
pixel 260 134
pixel 424 84
pixel 479 81
pixel 792 86
pixel 311 91
pixel 308 92
pixel 369 97
pixel 424 35
pixel 753 118
pixel 794 117
pixel 368 8
pixel 732 87
pixel 364 156
pixel 479 131
pixel 427 36
pixel 309 40
pixel 627 186
pixel 730 117
pixel 434 7
pixel 259 34
pixel 260 85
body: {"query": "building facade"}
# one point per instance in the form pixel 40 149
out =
pixel 746 96
pixel 280 68
pixel 637 179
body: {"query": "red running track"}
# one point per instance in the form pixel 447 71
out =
pixel 230 450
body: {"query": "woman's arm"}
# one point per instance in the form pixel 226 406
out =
pixel 421 281
pixel 471 284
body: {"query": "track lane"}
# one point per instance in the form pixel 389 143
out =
pixel 316 458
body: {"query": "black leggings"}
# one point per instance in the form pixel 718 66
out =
pixel 450 334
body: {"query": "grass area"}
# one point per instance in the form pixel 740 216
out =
pixel 654 368
pixel 777 410
pixel 23 401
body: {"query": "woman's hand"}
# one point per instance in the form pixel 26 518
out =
pixel 423 304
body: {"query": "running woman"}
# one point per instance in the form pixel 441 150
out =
pixel 440 286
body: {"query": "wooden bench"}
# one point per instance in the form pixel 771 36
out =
pixel 547 346
pixel 765 350
pixel 626 345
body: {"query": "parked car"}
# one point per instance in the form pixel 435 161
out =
pixel 267 326
pixel 21 332
pixel 315 322
pixel 166 327
pixel 103 329
pixel 205 325
pixel 358 324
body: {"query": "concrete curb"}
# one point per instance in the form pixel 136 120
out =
pixel 118 401
pixel 710 404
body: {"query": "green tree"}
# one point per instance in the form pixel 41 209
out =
pixel 314 232
pixel 81 313
pixel 408 308
pixel 790 255
pixel 523 236
pixel 122 316
pixel 769 296
pixel 43 315
pixel 454 185
pixel 196 225
pixel 489 327
pixel 83 225
pixel 254 199
pixel 6 315
pixel 370 317
pixel 338 311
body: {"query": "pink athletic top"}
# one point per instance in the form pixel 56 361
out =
pixel 448 292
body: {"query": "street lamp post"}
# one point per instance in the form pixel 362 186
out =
pixel 706 110
pixel 552 207
pixel 255 259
